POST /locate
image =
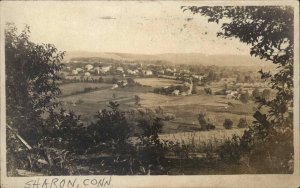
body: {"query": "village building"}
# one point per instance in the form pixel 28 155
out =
pixel 114 86
pixel 74 72
pixel 161 72
pixel 97 70
pixel 89 67
pixel 120 69
pixel 132 72
pixel 105 69
pixel 79 70
pixel 148 72
pixel 176 92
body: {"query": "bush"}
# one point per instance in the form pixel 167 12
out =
pixel 169 117
pixel 137 100
pixel 230 150
pixel 205 122
pixel 208 91
pixel 111 125
pixel 244 97
pixel 151 148
pixel 242 123
pixel 227 124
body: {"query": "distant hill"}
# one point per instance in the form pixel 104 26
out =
pixel 176 58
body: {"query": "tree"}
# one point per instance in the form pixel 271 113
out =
pixel 111 125
pixel 208 91
pixel 32 75
pixel 31 81
pixel 242 123
pixel 151 147
pixel 227 124
pixel 255 93
pixel 266 94
pixel 205 122
pixel 244 98
pixel 137 100
pixel 270 32
pixel 130 81
pixel 114 80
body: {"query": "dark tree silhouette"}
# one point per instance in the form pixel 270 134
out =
pixel 31 81
pixel 270 32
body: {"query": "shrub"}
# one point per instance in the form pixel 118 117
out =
pixel 205 122
pixel 230 150
pixel 208 91
pixel 130 81
pixel 227 124
pixel 244 97
pixel 137 100
pixel 169 117
pixel 266 94
pixel 242 123
pixel 151 149
pixel 111 125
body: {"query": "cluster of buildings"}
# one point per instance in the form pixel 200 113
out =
pixel 89 70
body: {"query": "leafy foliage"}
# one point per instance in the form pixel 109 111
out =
pixel 244 97
pixel 227 124
pixel 206 122
pixel 31 80
pixel 242 123
pixel 270 32
pixel 111 125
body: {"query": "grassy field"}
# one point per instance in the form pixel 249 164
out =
pixel 70 88
pixel 185 108
pixel 157 82
pixel 199 138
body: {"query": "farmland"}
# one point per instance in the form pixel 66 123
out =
pixel 185 108
pixel 157 82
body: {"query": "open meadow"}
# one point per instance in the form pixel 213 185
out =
pixel 185 108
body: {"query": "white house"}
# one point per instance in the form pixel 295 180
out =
pixel 105 69
pixel 161 72
pixel 89 67
pixel 148 72
pixel 120 69
pixel 132 72
pixel 87 74
pixel 175 92
pixel 114 86
pixel 79 70
pixel 74 72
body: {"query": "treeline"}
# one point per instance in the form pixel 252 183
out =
pixel 170 89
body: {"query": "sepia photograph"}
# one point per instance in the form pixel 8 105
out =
pixel 149 94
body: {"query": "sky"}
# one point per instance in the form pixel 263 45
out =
pixel 127 27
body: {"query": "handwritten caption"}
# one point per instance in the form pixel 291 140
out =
pixel 68 182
